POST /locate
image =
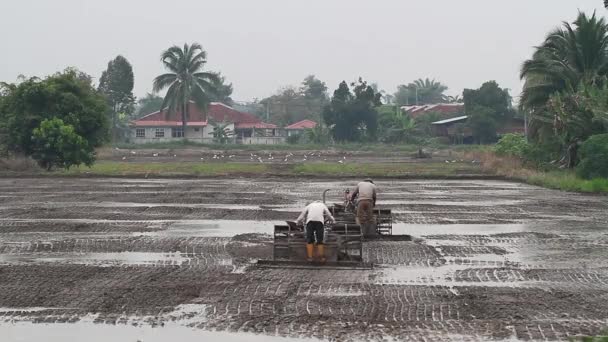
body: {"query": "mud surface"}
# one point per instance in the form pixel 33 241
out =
pixel 490 261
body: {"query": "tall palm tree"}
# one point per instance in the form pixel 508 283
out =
pixel 185 80
pixel 571 58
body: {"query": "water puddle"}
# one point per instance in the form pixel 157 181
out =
pixel 421 230
pixel 213 228
pixel 109 259
pixel 90 332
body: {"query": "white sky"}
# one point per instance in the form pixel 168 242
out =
pixel 261 45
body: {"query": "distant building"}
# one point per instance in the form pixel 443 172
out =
pixel 456 130
pixel 247 128
pixel 299 127
pixel 444 109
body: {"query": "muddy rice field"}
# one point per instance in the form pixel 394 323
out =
pixel 152 260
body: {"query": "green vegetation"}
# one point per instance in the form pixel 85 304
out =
pixel 74 112
pixel 594 157
pixel 55 144
pixel 565 84
pixel 353 115
pixel 116 84
pixel 186 81
pixel 420 92
pixel 168 169
pixel 436 169
pixel 487 108
pixel 107 168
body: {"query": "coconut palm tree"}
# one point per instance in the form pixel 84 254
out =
pixel 185 80
pixel 572 57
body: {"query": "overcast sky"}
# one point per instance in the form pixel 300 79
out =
pixel 262 45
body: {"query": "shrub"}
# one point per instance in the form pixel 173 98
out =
pixel 293 139
pixel 512 145
pixel 594 158
pixel 56 144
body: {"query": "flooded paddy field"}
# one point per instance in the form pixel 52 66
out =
pixel 154 260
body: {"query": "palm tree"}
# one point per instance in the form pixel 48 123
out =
pixel 185 80
pixel 571 58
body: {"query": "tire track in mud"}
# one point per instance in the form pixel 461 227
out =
pixel 446 287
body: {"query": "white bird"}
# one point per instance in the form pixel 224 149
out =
pixel 260 159
pixel 133 152
pixel 340 161
pixel 202 158
pixel 155 155
pixel 124 158
pixel 175 155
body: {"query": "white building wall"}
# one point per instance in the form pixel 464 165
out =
pixel 203 135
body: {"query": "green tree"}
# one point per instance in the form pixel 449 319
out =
pixel 148 104
pixel 314 89
pixel 420 92
pixel 487 107
pixel 223 91
pixel 116 84
pixel 571 57
pixel 353 115
pixel 68 96
pixel 185 80
pixel 482 121
pixel 55 144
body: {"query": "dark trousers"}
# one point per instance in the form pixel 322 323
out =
pixel 315 229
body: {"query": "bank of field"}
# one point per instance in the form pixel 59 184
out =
pixel 423 170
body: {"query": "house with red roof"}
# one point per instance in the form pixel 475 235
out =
pixel 245 128
pixel 299 127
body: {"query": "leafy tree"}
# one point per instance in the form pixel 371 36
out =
pixel 223 91
pixel 148 104
pixel 285 107
pixel 487 108
pixel 67 96
pixel 55 144
pixel 291 104
pixel 570 58
pixel 116 83
pixel 482 121
pixel 185 80
pixel 353 115
pixel 314 89
pixel 420 92
pixel 594 157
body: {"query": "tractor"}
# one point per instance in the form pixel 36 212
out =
pixel 343 239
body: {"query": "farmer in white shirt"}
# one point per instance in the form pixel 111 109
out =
pixel 315 215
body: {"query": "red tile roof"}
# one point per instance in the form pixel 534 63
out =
pixel 217 111
pixel 304 124
pixel 254 125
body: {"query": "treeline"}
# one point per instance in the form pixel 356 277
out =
pixel 566 97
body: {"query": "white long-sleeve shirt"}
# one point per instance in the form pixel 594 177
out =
pixel 316 211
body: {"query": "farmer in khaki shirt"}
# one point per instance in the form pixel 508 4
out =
pixel 365 194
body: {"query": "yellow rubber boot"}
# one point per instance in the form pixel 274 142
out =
pixel 309 251
pixel 321 251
